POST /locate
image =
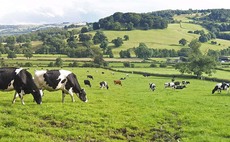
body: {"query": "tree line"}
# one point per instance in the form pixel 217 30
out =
pixel 130 21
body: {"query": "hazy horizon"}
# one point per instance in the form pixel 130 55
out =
pixel 16 12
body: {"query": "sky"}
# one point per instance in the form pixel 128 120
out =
pixel 14 12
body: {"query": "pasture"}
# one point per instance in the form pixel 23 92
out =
pixel 131 112
pixel 162 39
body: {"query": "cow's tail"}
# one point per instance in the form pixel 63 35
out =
pixel 214 90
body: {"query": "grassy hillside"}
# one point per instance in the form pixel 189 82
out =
pixel 131 112
pixel 162 39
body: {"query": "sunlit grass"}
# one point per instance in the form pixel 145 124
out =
pixel 131 112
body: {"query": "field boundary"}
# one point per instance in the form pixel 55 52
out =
pixel 214 79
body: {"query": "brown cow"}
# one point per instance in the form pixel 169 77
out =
pixel 117 82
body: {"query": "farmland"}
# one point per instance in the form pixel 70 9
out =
pixel 130 112
pixel 162 39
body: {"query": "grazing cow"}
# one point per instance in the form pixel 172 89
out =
pixel 221 86
pixel 122 78
pixel 53 80
pixel 90 76
pixel 152 86
pixel 169 84
pixel 117 82
pixel 177 83
pixel 102 72
pixel 104 84
pixel 179 86
pixel 21 81
pixel 185 82
pixel 87 82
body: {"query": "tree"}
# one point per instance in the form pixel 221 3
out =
pixel 182 68
pixel 58 62
pixel 28 54
pixel 117 42
pixel 183 41
pixel 98 59
pixel 104 44
pixel 11 54
pixel 126 37
pixel 99 37
pixel 129 26
pixel 85 37
pixel 203 38
pixel 109 52
pixel 194 49
pixel 96 26
pixel 125 54
pixel 84 30
pixel 11 40
pixel 142 51
pixel 198 63
pixel 203 64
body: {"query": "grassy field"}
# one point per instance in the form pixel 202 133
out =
pixel 218 74
pixel 131 112
pixel 162 39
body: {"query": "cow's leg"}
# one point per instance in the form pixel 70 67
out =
pixel 15 96
pixel 71 94
pixel 63 96
pixel 21 97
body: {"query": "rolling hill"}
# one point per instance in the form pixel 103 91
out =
pixel 162 39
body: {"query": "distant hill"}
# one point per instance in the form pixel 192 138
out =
pixel 158 30
pixel 24 29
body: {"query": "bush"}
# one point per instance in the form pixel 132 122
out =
pixel 126 64
pixel 51 64
pixel 153 65
pixel 74 64
pixel 163 65
pixel 132 65
pixel 28 64
pixel 106 64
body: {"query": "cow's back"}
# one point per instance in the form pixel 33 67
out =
pixel 39 78
pixel 7 76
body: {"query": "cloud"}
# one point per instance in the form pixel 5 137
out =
pixel 56 11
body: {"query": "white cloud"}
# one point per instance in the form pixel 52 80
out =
pixel 54 11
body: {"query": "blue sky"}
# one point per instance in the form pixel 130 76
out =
pixel 76 11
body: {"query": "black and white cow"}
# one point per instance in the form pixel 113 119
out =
pixel 87 82
pixel 21 81
pixel 152 86
pixel 221 86
pixel 184 82
pixel 179 86
pixel 104 84
pixel 169 84
pixel 176 83
pixel 53 80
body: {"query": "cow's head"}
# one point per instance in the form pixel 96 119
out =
pixel 82 95
pixel 29 85
pixel 37 96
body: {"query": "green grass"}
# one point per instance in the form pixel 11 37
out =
pixel 162 39
pixel 123 113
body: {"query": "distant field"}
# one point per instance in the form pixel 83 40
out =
pixel 131 112
pixel 162 39
pixel 218 74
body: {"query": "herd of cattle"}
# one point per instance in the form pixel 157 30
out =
pixel 23 82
